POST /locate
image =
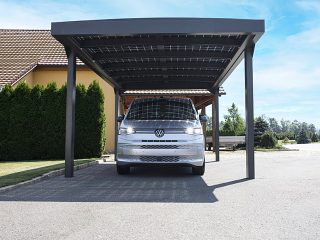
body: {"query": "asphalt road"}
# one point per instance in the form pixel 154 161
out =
pixel 283 202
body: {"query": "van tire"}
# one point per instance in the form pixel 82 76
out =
pixel 121 170
pixel 199 170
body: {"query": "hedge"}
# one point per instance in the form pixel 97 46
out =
pixel 32 122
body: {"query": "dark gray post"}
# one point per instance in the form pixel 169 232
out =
pixel 204 126
pixel 215 124
pixel 116 114
pixel 70 113
pixel 248 53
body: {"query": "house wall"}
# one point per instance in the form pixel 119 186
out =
pixel 43 76
pixel 28 79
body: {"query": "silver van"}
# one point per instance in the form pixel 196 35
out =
pixel 161 131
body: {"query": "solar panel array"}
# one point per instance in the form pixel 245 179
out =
pixel 162 61
pixel 161 109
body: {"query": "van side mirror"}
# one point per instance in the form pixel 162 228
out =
pixel 203 118
pixel 120 118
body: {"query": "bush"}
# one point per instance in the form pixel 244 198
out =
pixel 209 133
pixel 32 122
pixel 268 140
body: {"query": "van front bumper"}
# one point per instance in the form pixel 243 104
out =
pixel 182 152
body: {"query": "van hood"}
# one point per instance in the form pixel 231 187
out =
pixel 165 124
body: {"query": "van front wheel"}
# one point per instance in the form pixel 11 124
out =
pixel 199 170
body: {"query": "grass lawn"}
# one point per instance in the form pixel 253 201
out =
pixel 15 172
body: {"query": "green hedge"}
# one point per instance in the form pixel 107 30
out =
pixel 32 122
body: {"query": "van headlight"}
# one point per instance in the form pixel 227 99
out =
pixel 126 131
pixel 193 131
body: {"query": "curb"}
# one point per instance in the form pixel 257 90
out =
pixel 277 150
pixel 48 175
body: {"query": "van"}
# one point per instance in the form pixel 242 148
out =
pixel 161 131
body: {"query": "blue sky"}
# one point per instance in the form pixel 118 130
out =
pixel 286 60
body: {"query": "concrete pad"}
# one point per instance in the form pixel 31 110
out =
pixel 164 203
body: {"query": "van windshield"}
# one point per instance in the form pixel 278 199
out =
pixel 161 109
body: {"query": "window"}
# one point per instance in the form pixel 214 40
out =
pixel 162 109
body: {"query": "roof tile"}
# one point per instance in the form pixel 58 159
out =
pixel 23 50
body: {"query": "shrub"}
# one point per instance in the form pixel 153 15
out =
pixel 268 140
pixel 32 122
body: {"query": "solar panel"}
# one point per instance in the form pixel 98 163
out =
pixel 161 109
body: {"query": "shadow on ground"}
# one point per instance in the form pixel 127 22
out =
pixel 100 183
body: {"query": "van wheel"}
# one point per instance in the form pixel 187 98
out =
pixel 199 170
pixel 121 170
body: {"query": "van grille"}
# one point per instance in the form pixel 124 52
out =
pixel 159 146
pixel 159 158
pixel 159 140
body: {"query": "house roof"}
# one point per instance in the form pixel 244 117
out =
pixel 23 50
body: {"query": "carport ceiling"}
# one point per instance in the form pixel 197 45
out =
pixel 160 53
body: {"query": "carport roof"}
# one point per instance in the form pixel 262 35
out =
pixel 160 53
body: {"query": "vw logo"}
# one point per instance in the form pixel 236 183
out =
pixel 159 133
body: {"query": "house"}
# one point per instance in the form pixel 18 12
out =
pixel 35 57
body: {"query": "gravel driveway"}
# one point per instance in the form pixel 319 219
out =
pixel 161 203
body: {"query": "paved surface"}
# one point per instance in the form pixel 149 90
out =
pixel 158 203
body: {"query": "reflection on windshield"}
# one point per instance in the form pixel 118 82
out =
pixel 161 109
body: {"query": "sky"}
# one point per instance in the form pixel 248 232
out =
pixel 286 59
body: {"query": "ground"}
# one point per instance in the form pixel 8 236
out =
pixel 13 172
pixel 281 203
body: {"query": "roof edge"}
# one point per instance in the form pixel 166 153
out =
pixel 136 26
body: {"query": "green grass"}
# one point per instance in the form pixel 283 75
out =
pixel 289 142
pixel 15 172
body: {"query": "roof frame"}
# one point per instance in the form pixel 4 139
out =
pixel 168 51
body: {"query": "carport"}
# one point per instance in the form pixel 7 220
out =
pixel 161 53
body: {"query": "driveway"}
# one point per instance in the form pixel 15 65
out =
pixel 161 203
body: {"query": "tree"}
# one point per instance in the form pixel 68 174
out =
pixel 302 137
pixel 209 123
pixel 284 125
pixel 314 138
pixel 260 127
pixel 295 127
pixel 274 126
pixel 233 124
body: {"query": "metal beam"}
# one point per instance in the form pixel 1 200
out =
pixel 146 72
pixel 116 114
pixel 167 26
pixel 204 125
pixel 164 54
pixel 166 79
pixel 167 85
pixel 70 113
pixel 249 111
pixel 117 66
pixel 238 56
pixel 86 58
pixel 195 41
pixel 215 124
